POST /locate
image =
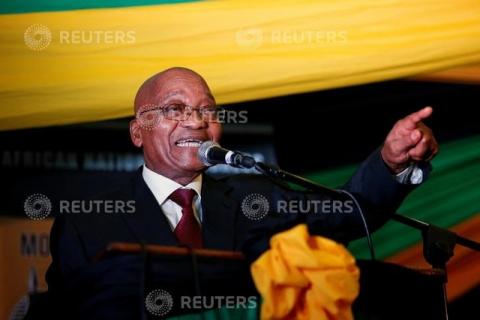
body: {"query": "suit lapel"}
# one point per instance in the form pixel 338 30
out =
pixel 148 223
pixel 219 211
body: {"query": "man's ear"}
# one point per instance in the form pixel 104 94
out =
pixel 136 133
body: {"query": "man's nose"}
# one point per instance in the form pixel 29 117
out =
pixel 194 120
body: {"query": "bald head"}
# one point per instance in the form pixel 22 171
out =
pixel 150 91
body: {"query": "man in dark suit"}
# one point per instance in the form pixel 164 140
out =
pixel 175 203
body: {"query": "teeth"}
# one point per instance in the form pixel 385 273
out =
pixel 189 143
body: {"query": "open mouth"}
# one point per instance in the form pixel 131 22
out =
pixel 189 143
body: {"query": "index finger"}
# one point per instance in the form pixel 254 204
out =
pixel 416 117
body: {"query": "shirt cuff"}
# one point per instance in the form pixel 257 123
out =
pixel 414 174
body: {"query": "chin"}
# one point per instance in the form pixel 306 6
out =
pixel 194 166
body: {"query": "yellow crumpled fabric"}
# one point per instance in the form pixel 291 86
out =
pixel 306 277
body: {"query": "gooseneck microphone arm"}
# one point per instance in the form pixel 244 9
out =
pixel 275 172
pixel 308 184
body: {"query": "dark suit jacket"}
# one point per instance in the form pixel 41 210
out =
pixel 77 238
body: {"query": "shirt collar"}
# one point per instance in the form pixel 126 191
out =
pixel 162 187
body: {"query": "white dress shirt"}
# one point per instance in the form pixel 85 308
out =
pixel 162 187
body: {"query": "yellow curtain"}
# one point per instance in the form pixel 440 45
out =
pixel 95 59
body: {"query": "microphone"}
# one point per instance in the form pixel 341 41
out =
pixel 210 153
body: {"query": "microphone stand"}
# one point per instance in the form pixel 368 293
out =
pixel 438 243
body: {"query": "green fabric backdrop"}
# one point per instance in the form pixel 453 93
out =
pixel 449 196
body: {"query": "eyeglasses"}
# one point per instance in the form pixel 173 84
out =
pixel 150 114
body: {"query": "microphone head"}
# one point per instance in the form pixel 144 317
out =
pixel 203 152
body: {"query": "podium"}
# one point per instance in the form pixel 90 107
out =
pixel 388 291
pixel 186 284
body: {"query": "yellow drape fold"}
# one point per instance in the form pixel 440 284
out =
pixel 306 277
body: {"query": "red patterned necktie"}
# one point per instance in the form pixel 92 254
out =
pixel 188 230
